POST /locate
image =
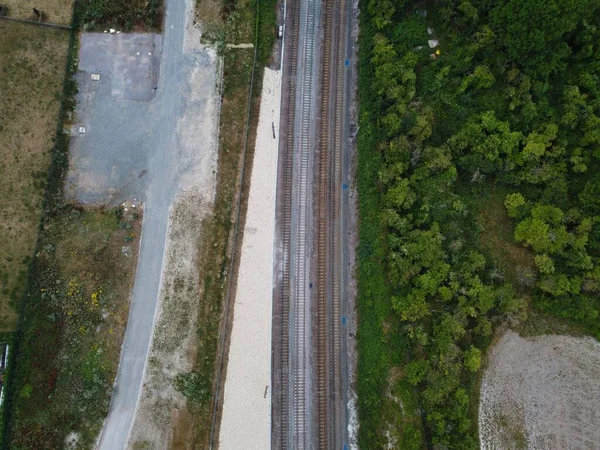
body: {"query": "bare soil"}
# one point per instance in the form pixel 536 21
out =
pixel 174 343
pixel 32 68
pixel 541 393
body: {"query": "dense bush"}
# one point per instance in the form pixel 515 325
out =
pixel 505 114
pixel 126 15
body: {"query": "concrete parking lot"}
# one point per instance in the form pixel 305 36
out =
pixel 128 122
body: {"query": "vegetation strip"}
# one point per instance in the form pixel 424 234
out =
pixel 52 195
pixel 73 315
pixel 477 154
pixel 236 217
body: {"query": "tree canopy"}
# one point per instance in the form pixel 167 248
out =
pixel 499 130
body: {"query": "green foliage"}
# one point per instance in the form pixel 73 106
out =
pixel 472 359
pixel 532 32
pixel 378 349
pixel 98 14
pixel 267 28
pixel 197 389
pixel 544 264
pixel 511 105
pixel 513 202
pixel 416 371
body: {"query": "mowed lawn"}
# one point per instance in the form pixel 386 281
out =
pixel 56 11
pixel 32 69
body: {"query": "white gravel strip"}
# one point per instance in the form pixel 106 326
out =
pixel 246 422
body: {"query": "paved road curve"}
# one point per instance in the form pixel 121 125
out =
pixel 168 163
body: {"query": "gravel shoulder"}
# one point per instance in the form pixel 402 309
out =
pixel 541 393
pixel 172 351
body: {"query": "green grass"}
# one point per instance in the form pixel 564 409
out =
pixel 72 328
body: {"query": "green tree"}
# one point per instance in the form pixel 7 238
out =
pixel 513 202
pixel 481 78
pixel 483 142
pixel 416 371
pixel 544 263
pixel 532 32
pixel 544 230
pixel 472 359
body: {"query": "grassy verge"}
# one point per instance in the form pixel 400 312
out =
pixel 32 61
pixel 233 22
pixel 132 15
pixel 214 253
pixel 229 22
pixel 388 406
pixel 55 11
pixel 73 325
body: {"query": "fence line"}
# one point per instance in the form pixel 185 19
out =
pixel 35 22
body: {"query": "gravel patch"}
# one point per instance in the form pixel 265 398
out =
pixel 246 419
pixel 174 336
pixel 541 393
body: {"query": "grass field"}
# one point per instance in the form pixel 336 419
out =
pixel 77 286
pixel 32 67
pixel 57 11
pixel 73 326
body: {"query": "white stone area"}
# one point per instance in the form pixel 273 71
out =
pixel 246 422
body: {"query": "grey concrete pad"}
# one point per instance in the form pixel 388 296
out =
pixel 131 112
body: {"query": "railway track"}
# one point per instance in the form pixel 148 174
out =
pixel 323 356
pixel 300 397
pixel 288 157
pixel 331 412
pixel 300 242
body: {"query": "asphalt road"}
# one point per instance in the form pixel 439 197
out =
pixel 150 131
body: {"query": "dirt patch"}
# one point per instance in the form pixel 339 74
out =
pixel 209 12
pixel 541 393
pixel 32 68
pixel 173 344
pixel 55 11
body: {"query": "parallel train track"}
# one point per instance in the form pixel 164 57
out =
pixel 330 409
pixel 288 158
pixel 295 427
